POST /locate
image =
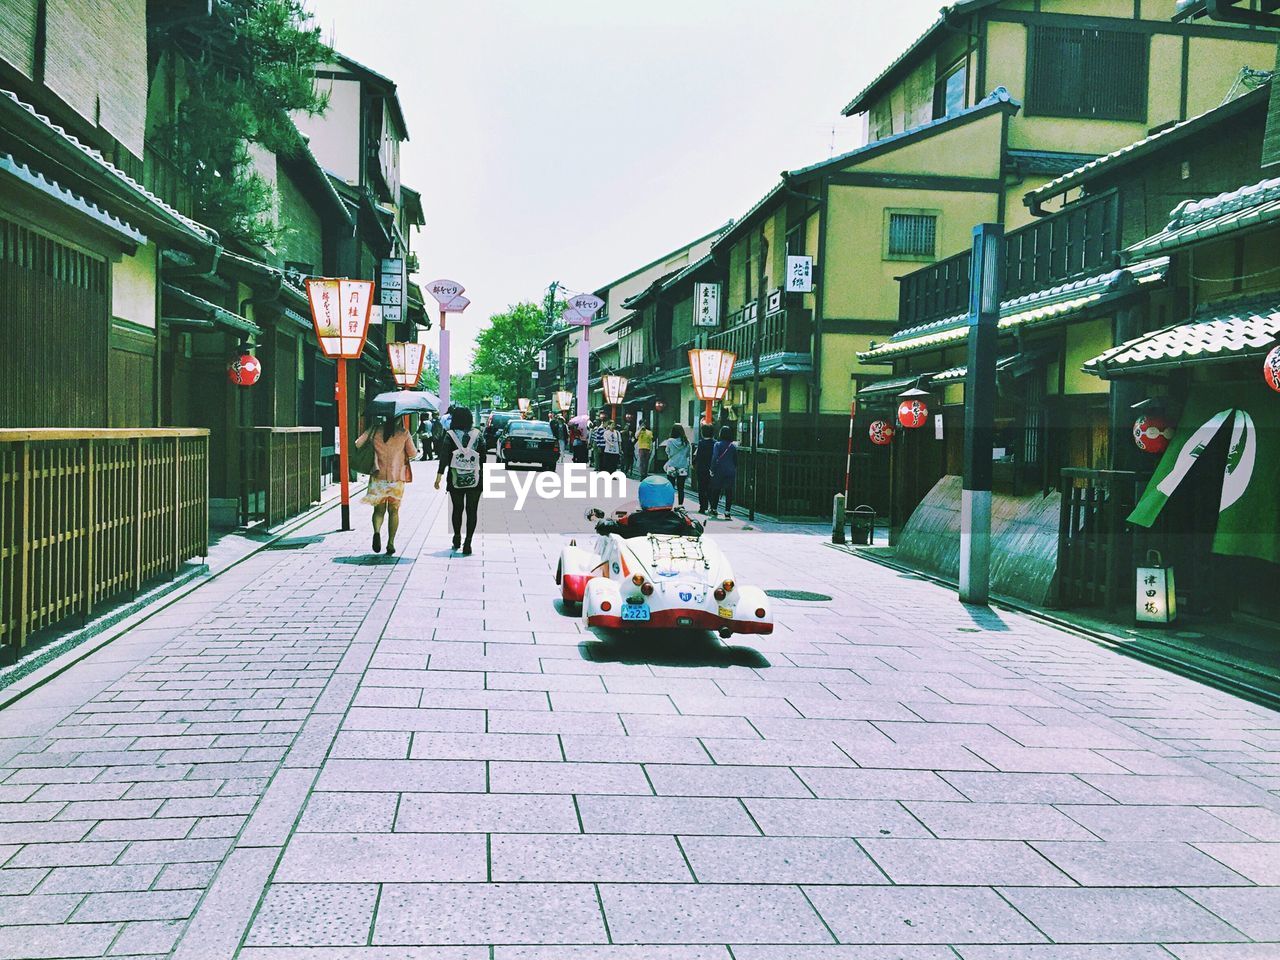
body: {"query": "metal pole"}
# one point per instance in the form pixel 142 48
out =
pixel 344 472
pixel 584 361
pixel 848 454
pixel 986 281
pixel 761 305
pixel 444 364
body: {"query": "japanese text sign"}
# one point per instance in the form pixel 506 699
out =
pixel 706 299
pixel 340 314
pixel 445 290
pixel 799 274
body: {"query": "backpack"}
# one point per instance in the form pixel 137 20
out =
pixel 464 467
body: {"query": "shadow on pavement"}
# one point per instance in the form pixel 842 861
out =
pixel 372 560
pixel 676 648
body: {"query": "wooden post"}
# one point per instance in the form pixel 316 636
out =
pixel 137 515
pixel 24 541
pixel 177 503
pixel 91 522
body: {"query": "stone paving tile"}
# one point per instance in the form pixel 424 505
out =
pixel 834 818
pixel 1024 787
pixel 765 860
pixel 382 858
pixel 521 777
pixel 684 780
pixel 100 879
pixel 842 784
pixel 1111 915
pixel 998 821
pixel 56 942
pixel 633 749
pixel 587 858
pixel 1187 823
pixel 713 913
pixel 498 913
pixel 485 746
pixel 137 905
pixel 712 816
pixel 349 812
pixel 487 813
pixel 964 863
pixel 302 914
pixel 1254 911
pixel 919 915
pixel 645 952
pixel 1138 864
pixel 1109 951
pixel 401 775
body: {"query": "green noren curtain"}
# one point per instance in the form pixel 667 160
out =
pixel 1249 510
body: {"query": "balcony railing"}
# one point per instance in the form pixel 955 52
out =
pixel 281 470
pixel 88 515
pixel 1078 241
pixel 789 331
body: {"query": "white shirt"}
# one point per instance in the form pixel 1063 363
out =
pixel 612 441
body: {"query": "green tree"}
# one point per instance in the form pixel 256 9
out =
pixel 507 349
pixel 471 389
pixel 430 377
pixel 249 64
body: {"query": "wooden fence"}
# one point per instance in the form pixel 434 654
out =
pixel 1095 545
pixel 281 473
pixel 88 515
pixel 793 484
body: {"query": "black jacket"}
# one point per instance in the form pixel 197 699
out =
pixel 641 523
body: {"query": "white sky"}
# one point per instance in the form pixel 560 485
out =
pixel 576 140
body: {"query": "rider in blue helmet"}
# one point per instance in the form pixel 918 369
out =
pixel 657 514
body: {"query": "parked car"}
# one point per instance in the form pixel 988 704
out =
pixel 496 425
pixel 529 441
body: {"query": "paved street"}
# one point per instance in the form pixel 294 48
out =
pixel 316 756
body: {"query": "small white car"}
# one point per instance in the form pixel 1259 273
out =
pixel 659 581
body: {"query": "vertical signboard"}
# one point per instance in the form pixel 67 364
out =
pixel 706 300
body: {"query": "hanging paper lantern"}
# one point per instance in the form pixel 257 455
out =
pixel 1271 369
pixel 245 370
pixel 881 433
pixel 1152 433
pixel 659 405
pixel 913 414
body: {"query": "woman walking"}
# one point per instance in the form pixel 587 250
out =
pixel 644 448
pixel 724 472
pixel 462 458
pixel 392 450
pixel 702 463
pixel 677 468
pixel 610 448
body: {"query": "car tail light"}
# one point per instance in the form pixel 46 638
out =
pixel 646 589
pixel 606 606
pixel 720 594
pixel 759 613
pixel 507 445
pixel 728 586
pixel 638 579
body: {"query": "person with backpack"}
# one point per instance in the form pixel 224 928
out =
pixel 677 467
pixel 462 458
pixel 392 450
pixel 724 472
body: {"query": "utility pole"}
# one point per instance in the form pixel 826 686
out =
pixel 762 304
pixel 986 282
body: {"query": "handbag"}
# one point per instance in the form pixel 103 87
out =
pixel 361 458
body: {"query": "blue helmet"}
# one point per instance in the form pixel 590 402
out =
pixel 656 493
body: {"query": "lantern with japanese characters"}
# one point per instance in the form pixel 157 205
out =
pixel 913 413
pixel 245 370
pixel 406 363
pixel 1156 602
pixel 881 433
pixel 712 370
pixel 1271 369
pixel 1152 433
pixel 564 400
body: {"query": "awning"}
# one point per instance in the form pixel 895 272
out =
pixel 14 172
pixel 884 389
pixel 1223 332
pixel 1015 364
pixel 1248 510
pixel 182 306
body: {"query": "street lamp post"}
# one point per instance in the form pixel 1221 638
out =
pixel 448 294
pixel 712 370
pixel 340 315
pixel 615 390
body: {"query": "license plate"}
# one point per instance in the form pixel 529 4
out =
pixel 635 611
pixel 726 613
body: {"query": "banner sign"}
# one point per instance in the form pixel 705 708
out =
pixel 445 290
pixel 580 310
pixel 706 304
pixel 799 274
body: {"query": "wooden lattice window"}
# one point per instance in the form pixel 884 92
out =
pixel 911 235
pixel 1087 72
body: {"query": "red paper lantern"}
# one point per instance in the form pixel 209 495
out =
pixel 659 405
pixel 1152 433
pixel 913 414
pixel 245 370
pixel 1271 369
pixel 881 433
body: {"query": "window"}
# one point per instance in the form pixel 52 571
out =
pixel 1085 72
pixel 911 234
pixel 950 92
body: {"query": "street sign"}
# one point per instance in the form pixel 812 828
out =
pixel 580 310
pixel 391 288
pixel 390 314
pixel 799 274
pixel 706 299
pixel 445 290
pixel 456 305
pixel 542 359
pixel 375 315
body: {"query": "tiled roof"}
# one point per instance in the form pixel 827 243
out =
pixel 211 311
pixel 895 386
pixel 1193 221
pixel 148 198
pixel 1222 332
pixel 1039 307
pixel 1139 148
pixel 52 188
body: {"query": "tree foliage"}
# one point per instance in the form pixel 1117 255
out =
pixel 429 379
pixel 247 66
pixel 472 389
pixel 507 349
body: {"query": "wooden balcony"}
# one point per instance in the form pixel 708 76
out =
pixel 89 515
pixel 1081 240
pixel 789 331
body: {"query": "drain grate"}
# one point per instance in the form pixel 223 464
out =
pixel 294 543
pixel 796 595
